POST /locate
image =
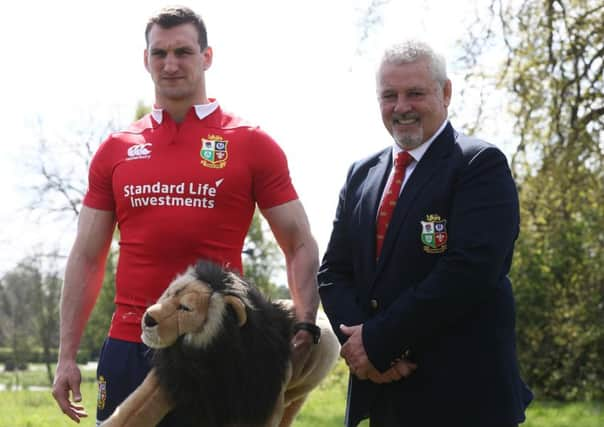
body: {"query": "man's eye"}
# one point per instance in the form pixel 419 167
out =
pixel 158 53
pixel 183 307
pixel 182 52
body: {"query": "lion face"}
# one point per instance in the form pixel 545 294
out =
pixel 188 307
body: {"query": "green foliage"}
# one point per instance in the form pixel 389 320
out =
pixel 46 318
pixel 552 75
pixel 18 289
pixel 263 259
pixel 30 313
pixel 556 414
pixel 559 286
pixel 554 72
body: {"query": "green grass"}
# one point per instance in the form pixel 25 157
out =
pixel 553 414
pixel 325 407
pixel 26 408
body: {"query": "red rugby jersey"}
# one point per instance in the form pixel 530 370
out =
pixel 181 192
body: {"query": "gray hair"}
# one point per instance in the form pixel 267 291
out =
pixel 413 50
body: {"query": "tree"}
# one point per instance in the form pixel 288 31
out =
pixel 45 304
pixel 30 314
pixel 370 19
pixel 552 75
pixel 18 287
pixel 61 167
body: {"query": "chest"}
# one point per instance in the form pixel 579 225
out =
pixel 182 168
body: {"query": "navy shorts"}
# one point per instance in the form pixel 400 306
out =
pixel 123 365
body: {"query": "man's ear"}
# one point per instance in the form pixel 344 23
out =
pixel 447 92
pixel 146 59
pixel 208 56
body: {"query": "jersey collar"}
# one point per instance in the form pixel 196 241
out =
pixel 201 110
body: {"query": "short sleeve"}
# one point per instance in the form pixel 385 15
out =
pixel 99 194
pixel 272 183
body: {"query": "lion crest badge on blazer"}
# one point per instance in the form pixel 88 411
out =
pixel 434 234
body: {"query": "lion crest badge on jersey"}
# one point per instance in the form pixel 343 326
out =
pixel 214 152
pixel 434 234
pixel 102 393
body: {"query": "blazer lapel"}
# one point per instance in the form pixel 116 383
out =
pixel 429 164
pixel 372 190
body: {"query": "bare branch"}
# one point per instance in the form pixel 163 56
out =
pixel 62 168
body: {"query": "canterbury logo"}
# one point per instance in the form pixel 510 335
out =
pixel 139 150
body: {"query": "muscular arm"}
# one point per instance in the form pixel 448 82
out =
pixel 83 280
pixel 292 231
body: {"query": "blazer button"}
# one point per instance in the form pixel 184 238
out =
pixel 374 304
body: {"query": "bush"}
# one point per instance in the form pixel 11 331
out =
pixel 559 288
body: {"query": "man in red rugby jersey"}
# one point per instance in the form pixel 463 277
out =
pixel 181 184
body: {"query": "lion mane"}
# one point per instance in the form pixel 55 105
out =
pixel 221 349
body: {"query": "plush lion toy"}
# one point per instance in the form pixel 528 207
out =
pixel 222 356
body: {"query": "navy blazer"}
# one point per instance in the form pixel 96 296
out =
pixel 439 291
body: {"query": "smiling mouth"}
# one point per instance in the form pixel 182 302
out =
pixel 405 121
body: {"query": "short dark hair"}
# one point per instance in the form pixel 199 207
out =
pixel 173 16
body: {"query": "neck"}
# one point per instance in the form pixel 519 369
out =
pixel 177 109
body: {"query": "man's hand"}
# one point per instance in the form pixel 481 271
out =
pixel 68 379
pixel 302 342
pixel 353 351
pixel 400 369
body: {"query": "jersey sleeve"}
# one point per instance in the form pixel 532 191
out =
pixel 272 183
pixel 100 190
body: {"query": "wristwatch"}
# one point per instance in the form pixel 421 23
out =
pixel 313 329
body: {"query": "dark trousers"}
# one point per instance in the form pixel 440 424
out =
pixel 122 367
pixel 385 411
pixel 388 411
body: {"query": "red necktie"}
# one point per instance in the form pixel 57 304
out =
pixel 389 201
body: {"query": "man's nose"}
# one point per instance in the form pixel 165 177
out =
pixel 170 63
pixel 402 105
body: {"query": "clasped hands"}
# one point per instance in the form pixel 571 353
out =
pixel 353 351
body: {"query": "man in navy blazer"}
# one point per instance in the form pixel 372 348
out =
pixel 428 326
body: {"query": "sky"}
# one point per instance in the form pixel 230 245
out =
pixel 302 70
